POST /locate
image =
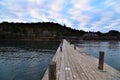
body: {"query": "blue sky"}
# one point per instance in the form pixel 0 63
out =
pixel 88 15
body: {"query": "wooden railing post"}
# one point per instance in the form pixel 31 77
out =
pixel 74 46
pixel 101 60
pixel 52 70
pixel 61 48
pixel 61 45
pixel 70 42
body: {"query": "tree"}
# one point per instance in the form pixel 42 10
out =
pixel 113 33
pixel 99 33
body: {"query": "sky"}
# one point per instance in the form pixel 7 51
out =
pixel 87 15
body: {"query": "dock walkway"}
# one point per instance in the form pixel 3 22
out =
pixel 75 65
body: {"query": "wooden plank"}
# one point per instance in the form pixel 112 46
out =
pixel 77 65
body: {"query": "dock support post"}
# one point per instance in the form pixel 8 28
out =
pixel 70 42
pixel 101 60
pixel 52 70
pixel 61 45
pixel 61 48
pixel 75 46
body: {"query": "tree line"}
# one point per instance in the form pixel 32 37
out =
pixel 51 30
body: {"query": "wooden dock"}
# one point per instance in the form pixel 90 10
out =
pixel 73 64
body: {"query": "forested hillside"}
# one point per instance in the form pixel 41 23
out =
pixel 50 31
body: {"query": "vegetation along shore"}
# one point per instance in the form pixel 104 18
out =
pixel 51 31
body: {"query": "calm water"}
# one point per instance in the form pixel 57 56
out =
pixel 28 60
pixel 111 49
pixel 25 60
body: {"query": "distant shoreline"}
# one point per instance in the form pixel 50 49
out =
pixel 70 40
pixel 29 40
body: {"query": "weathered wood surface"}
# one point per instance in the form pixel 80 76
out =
pixel 76 65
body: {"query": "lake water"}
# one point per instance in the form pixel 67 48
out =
pixel 28 60
pixel 25 60
pixel 111 49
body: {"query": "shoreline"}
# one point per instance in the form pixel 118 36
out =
pixel 30 39
pixel 70 40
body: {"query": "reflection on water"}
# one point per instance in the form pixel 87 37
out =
pixel 113 45
pixel 21 60
pixel 111 49
pixel 29 44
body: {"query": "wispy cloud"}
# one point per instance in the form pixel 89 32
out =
pixel 114 24
pixel 80 14
pixel 104 18
pixel 113 4
pixel 79 6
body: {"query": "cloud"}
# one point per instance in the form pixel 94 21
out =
pixel 34 13
pixel 55 10
pixel 12 9
pixel 79 6
pixel 117 8
pixel 79 14
pixel 85 28
pixel 105 17
pixel 113 24
pixel 76 12
pixel 57 5
pixel 9 19
pixel 46 10
pixel 37 2
pixel 84 20
pixel 114 4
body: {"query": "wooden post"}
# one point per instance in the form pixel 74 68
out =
pixel 62 41
pixel 101 60
pixel 61 48
pixel 52 70
pixel 75 46
pixel 61 45
pixel 70 42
